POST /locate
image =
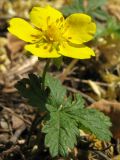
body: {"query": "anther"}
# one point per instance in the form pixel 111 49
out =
pixel 48 18
pixel 37 45
pixel 33 40
pixel 35 36
pixel 61 19
pixel 45 47
pixel 51 48
pixel 49 26
pixel 57 20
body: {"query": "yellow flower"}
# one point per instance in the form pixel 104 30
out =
pixel 51 36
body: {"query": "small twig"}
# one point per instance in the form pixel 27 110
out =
pixel 67 70
pixel 12 112
pixel 9 125
pixel 87 81
pixel 11 150
pixel 17 134
pixel 102 155
pixel 4 130
pixel 91 100
pixel 101 150
pixel 106 148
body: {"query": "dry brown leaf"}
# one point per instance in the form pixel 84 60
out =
pixel 14 44
pixel 112 109
pixel 114 9
pixel 16 122
pixel 96 88
pixel 4 137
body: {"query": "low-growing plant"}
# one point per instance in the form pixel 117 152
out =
pixel 50 35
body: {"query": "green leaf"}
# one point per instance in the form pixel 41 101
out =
pixel 99 14
pixel 57 91
pixel 74 7
pixel 97 123
pixel 58 61
pixel 30 88
pixel 77 104
pixel 94 4
pixel 65 117
pixel 93 121
pixel 101 30
pixel 61 132
pixel 65 120
pixel 113 26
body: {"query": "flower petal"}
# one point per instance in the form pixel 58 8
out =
pixel 43 17
pixel 82 52
pixel 79 28
pixel 23 30
pixel 43 50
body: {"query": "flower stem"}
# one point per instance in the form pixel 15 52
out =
pixel 39 118
pixel 44 73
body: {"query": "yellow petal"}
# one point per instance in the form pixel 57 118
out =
pixel 82 52
pixel 43 50
pixel 23 30
pixel 43 17
pixel 79 28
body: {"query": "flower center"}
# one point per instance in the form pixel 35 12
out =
pixel 54 30
pixel 53 33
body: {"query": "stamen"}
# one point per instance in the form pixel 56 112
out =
pixel 69 37
pixel 45 47
pixel 61 19
pixel 51 48
pixel 35 36
pixel 37 45
pixel 49 26
pixel 48 20
pixel 33 40
pixel 57 20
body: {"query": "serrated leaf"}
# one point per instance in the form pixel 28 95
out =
pixel 57 91
pixel 97 123
pixel 93 4
pixel 77 104
pixel 31 89
pixel 93 121
pixel 61 132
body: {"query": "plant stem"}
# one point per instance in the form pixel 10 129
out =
pixel 44 73
pixel 35 122
pixel 37 118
